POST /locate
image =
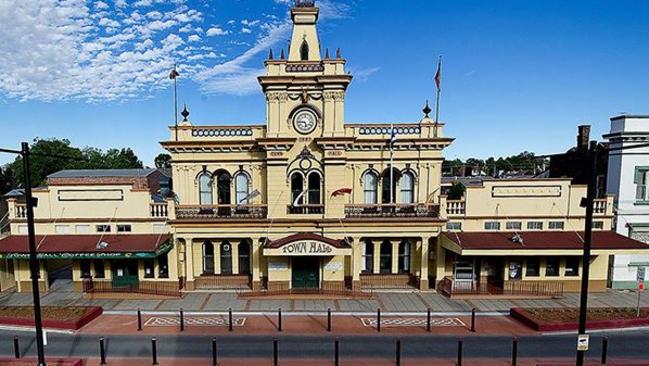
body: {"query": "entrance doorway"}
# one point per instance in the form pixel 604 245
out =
pixel 305 272
pixel 125 273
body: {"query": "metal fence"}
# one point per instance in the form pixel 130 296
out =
pixel 148 288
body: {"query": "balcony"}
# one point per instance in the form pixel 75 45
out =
pixel 455 207
pixel 600 206
pixel 212 212
pixel 159 209
pixel 392 210
pixel 21 210
pixel 305 210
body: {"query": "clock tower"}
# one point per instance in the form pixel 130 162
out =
pixel 305 91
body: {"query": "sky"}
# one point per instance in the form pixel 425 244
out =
pixel 517 75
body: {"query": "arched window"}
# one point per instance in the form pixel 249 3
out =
pixel 205 188
pixel 242 184
pixel 244 257
pixel 226 257
pixel 304 51
pixel 223 187
pixel 404 256
pixel 208 258
pixel 314 189
pixel 385 265
pixel 297 187
pixel 389 180
pixel 367 252
pixel 407 188
pixel 370 188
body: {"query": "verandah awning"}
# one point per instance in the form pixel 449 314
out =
pixel 133 246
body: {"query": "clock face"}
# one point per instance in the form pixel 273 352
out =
pixel 305 121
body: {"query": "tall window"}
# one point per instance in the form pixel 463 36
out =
pixel 407 188
pixel 367 251
pixel 370 181
pixel 642 183
pixel 297 184
pixel 387 195
pixel 314 188
pixel 304 51
pixel 100 270
pixel 552 266
pixel 205 187
pixel 404 256
pixel 208 258
pixel 385 264
pixel 223 188
pixel 244 257
pixel 242 188
pixel 226 257
pixel 163 266
pixel 572 266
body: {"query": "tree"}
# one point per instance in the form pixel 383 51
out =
pixel 6 180
pixel 456 191
pixel 163 161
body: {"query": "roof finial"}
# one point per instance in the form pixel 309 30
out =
pixel 281 56
pixel 327 54
pixel 185 113
pixel 270 54
pixel 427 110
pixel 338 53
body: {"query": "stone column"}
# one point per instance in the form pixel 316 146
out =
pixel 395 255
pixel 189 263
pixel 235 257
pixel 256 253
pixel 377 256
pixel 356 263
pixel 423 270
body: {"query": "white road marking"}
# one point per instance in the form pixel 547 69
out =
pixel 168 321
pixel 413 322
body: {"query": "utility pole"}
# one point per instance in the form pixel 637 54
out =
pixel 33 260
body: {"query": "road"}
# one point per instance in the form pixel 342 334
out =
pixel 632 344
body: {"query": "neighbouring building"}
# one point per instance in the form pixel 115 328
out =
pixel 628 181
pixel 308 202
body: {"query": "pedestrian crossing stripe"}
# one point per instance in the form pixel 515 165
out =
pixel 413 322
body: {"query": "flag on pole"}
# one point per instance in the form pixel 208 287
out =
pixel 438 74
pixel 393 137
pixel 341 191
pixel 296 201
pixel 173 74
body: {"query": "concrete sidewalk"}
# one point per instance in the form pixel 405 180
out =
pixel 407 301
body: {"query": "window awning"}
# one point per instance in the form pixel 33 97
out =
pixel 87 246
pixel 533 242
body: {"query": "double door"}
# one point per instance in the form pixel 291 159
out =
pixel 305 272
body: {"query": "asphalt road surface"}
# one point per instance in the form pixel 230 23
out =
pixel 632 344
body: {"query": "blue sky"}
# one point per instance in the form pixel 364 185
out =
pixel 518 75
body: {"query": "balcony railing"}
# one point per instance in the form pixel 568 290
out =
pixel 305 209
pixel 207 212
pixel 159 209
pixel 21 211
pixel 600 206
pixel 455 207
pixel 392 210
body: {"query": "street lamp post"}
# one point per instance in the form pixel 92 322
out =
pixel 33 261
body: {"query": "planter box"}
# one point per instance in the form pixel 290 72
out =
pixel 528 319
pixel 92 312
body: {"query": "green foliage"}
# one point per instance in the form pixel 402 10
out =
pixel 456 191
pixel 163 161
pixel 523 163
pixel 51 155
pixel 6 180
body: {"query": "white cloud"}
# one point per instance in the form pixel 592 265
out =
pixel 216 31
pixel 100 5
pixel 246 30
pixel 120 3
pixel 363 74
pixel 194 38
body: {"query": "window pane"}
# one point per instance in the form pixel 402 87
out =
pixel 514 225
pixel 368 254
pixel 407 188
pixel 163 266
pixel 297 184
pixel 244 257
pixel 370 188
pixel 572 266
pixel 223 188
pixel 552 266
pixel 533 267
pixel 242 188
pixel 85 268
pixel 535 225
pixel 385 265
pixel 208 257
pixel 99 268
pixel 226 258
pixel 149 268
pixel 492 225
pixel 556 225
pixel 205 182
pixel 314 189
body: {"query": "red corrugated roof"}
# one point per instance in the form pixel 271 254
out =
pixel 127 243
pixel 542 240
pixel 305 236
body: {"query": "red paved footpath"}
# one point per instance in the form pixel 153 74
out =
pixel 299 324
pixel 358 362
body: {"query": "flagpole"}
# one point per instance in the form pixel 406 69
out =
pixel 391 164
pixel 176 102
pixel 438 76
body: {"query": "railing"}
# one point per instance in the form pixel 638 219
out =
pixel 21 211
pixel 148 288
pixel 600 206
pixel 327 289
pixel 159 210
pixel 455 207
pixel 232 282
pixel 305 209
pixel 450 287
pixel 221 212
pixel 393 210
pixel 388 281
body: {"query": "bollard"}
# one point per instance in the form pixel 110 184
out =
pixel 378 320
pixel 16 347
pixel 459 352
pixel 336 352
pixel 214 359
pixel 514 351
pixel 139 320
pixel 275 353
pixel 154 351
pixel 230 319
pixel 182 320
pixel 329 320
pixel 473 320
pixel 398 352
pixel 102 351
pixel 279 319
pixel 604 350
pixel 428 320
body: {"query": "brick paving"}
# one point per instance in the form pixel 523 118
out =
pixel 407 301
